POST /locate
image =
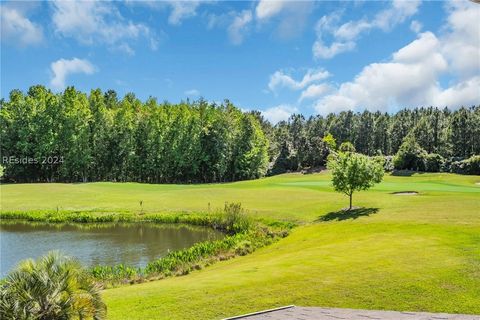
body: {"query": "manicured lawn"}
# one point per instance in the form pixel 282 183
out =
pixel 418 253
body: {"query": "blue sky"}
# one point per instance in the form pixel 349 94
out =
pixel 276 56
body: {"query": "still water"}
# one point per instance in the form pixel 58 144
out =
pixel 133 244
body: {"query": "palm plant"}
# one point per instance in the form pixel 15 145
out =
pixel 53 287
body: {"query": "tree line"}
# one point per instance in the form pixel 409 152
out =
pixel 74 136
pixel 301 143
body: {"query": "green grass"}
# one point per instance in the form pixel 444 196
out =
pixel 418 253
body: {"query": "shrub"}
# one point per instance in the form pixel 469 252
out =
pixel 474 165
pixel 235 219
pixel 434 162
pixel 467 166
pixel 53 287
pixel 410 156
pixel 346 147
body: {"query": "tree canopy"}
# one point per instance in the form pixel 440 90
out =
pixel 73 136
pixel 354 172
pixel 451 134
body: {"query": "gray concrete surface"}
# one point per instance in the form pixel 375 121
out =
pixel 315 313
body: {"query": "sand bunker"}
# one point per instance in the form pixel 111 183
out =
pixel 405 193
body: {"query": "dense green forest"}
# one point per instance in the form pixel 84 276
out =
pixel 449 136
pixel 73 136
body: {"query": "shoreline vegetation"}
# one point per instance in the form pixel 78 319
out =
pixel 243 235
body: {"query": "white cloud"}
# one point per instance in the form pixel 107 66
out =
pixel 412 76
pixel 269 8
pixel 192 93
pixel 320 50
pixel 462 40
pixel 18 28
pixel 328 24
pixel 406 80
pixel 465 93
pixel 280 79
pixel 416 26
pixel 98 22
pixel 279 113
pixel 396 14
pixel 292 15
pixel 352 29
pixel 62 68
pixel 346 35
pixel 314 91
pixel 182 10
pixel 290 18
pixel 239 26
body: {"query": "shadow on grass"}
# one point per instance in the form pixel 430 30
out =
pixel 346 214
pixel 405 173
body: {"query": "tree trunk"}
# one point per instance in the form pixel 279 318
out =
pixel 351 194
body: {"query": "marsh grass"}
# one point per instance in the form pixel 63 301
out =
pixel 243 236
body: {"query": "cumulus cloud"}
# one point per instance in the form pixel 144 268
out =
pixel 465 93
pixel 92 22
pixel 279 113
pixel 461 43
pixel 16 27
pixel 346 35
pixel 282 80
pixel 239 26
pixel 407 79
pixel 62 68
pixel 314 91
pixel 412 76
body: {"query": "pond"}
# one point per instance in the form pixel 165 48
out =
pixel 133 244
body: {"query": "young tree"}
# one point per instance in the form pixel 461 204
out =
pixel 354 172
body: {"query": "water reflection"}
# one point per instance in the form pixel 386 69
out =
pixel 134 244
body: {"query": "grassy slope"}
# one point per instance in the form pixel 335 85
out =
pixel 417 253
